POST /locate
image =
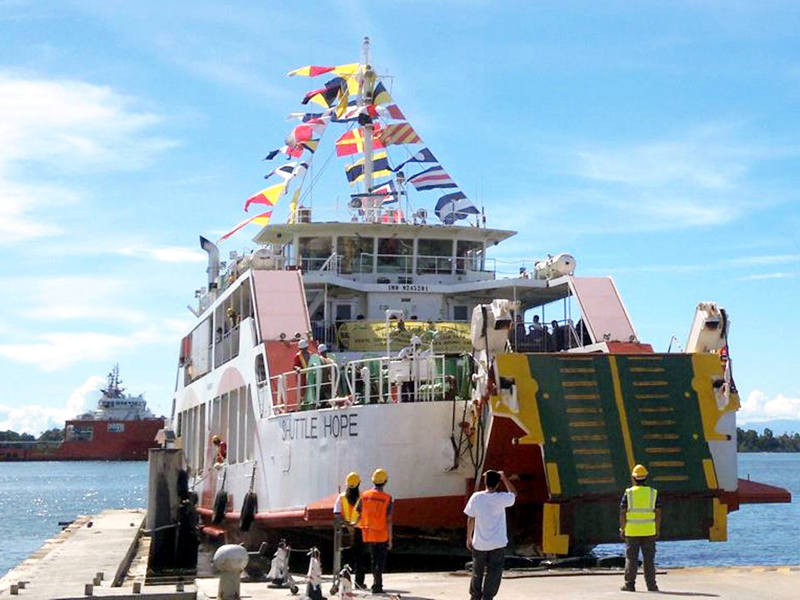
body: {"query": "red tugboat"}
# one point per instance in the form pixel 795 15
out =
pixel 121 428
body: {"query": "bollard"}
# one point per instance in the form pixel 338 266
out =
pixel 230 560
pixel 179 586
pixel 21 584
pixel 100 576
pixel 14 589
pixel 96 581
pixel 88 589
pixel 137 587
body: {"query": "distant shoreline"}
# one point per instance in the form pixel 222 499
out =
pixel 749 440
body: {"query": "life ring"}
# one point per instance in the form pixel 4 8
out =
pixel 220 504
pixel 249 508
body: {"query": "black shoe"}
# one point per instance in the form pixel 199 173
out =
pixel 628 588
pixel 377 590
pixel 653 588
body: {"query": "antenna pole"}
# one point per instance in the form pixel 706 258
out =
pixel 365 98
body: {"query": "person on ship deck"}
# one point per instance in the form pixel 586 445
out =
pixel 222 450
pixel 300 362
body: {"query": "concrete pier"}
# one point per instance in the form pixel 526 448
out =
pixel 102 556
pixel 90 557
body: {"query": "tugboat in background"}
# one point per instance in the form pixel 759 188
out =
pixel 121 428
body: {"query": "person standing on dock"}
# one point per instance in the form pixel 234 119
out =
pixel 639 525
pixel 487 537
pixel 345 515
pixel 375 519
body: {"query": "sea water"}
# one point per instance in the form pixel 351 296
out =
pixel 758 534
pixel 36 496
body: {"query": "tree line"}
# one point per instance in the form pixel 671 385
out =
pixel 747 441
pixel 751 441
pixel 51 435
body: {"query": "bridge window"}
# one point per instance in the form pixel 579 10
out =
pixel 395 255
pixel 434 256
pixel 469 256
pixel 314 252
pixel 356 254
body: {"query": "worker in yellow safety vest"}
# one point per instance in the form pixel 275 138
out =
pixel 345 516
pixel 375 518
pixel 639 525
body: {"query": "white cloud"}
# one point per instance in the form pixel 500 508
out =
pixel 766 260
pixel 71 125
pixel 764 276
pixel 172 254
pixel 56 351
pixel 702 177
pixel 100 298
pixel 760 407
pixel 35 419
pixel 62 127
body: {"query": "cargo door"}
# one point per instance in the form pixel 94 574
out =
pixel 597 415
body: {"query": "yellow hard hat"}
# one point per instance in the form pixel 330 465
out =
pixel 639 472
pixel 215 439
pixel 379 477
pixel 352 480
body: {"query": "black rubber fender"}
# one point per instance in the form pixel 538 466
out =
pixel 249 509
pixel 220 505
pixel 183 484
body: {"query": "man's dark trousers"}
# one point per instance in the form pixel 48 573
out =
pixel 487 572
pixel 378 552
pixel 647 544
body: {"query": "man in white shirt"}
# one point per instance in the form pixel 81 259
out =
pixel 486 534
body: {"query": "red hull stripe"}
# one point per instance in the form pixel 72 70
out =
pixel 424 513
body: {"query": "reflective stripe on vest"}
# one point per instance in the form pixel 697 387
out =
pixel 374 518
pixel 348 510
pixel 640 518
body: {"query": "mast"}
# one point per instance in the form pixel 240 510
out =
pixel 365 99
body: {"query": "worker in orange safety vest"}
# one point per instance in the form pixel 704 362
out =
pixel 375 518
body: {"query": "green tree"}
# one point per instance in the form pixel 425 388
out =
pixel 52 435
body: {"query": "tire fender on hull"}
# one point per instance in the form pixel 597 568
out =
pixel 220 506
pixel 249 508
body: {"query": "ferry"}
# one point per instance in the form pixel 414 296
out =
pixel 120 428
pixel 391 339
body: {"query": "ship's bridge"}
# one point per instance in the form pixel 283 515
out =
pixel 353 273
pixel 383 253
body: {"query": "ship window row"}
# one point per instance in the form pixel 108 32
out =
pixel 353 254
pixel 217 337
pixel 230 416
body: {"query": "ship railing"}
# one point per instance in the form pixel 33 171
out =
pixel 226 346
pixel 403 265
pixel 437 265
pixel 419 377
pixel 317 386
pixel 530 336
pixel 30 444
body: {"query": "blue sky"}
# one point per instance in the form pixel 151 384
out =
pixel 655 141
